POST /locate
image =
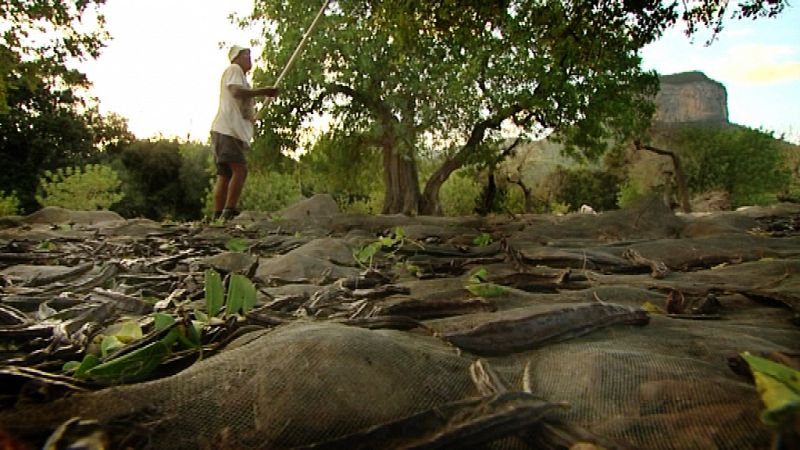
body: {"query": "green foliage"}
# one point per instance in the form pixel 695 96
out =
pixel 346 167
pixel 38 39
pixel 241 296
pixel 747 163
pixel 214 293
pixel 136 365
pixel 236 245
pixel 162 179
pixel 401 96
pixel 93 187
pixel 194 174
pixel 45 129
pixel 579 186
pixel 459 194
pixel 46 122
pixel 364 255
pixel 478 285
pixel 779 387
pixel 482 240
pixel 559 207
pixel 373 204
pixel 263 191
pixel 629 192
pixel 9 204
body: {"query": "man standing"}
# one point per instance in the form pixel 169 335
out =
pixel 232 131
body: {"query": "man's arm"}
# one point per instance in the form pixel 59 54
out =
pixel 247 93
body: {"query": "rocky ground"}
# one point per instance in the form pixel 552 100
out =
pixel 450 331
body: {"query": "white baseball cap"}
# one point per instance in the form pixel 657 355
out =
pixel 234 52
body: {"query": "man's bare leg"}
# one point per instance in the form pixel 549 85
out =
pixel 221 193
pixel 235 186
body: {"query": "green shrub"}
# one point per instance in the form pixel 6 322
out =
pixel 370 205
pixel 459 193
pixel 747 163
pixel 9 204
pixel 576 187
pixel 263 191
pixel 93 187
pixel 629 192
pixel 162 178
pixel 559 207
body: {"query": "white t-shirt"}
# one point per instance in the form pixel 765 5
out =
pixel 234 116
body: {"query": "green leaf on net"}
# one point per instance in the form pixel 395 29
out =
pixel 482 240
pixel 126 332
pixel 366 253
pixel 779 388
pixel 236 245
pixel 215 296
pixel 201 316
pixel 109 345
pixel 79 368
pixel 171 337
pixel 479 276
pixel 780 372
pixel 134 366
pixel 162 321
pixel 782 404
pixel 487 290
pixel 241 295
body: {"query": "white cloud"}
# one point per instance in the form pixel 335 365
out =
pixel 759 63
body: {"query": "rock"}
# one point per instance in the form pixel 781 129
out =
pixel 231 262
pixel 712 201
pixel 56 215
pixel 320 205
pixel 138 228
pixel 691 97
pixel 319 258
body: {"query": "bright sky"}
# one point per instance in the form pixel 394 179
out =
pixel 162 68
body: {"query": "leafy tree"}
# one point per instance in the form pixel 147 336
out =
pixel 45 123
pixel 747 163
pixel 342 166
pixel 43 130
pixel 92 187
pixel 9 204
pixel 41 36
pixel 445 76
pixel 575 187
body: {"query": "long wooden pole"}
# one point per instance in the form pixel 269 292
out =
pixel 301 44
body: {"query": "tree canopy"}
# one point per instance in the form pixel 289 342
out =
pixel 47 120
pixel 40 36
pixel 446 77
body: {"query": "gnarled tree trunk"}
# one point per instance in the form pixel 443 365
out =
pixel 401 187
pixel 680 177
pixel 429 203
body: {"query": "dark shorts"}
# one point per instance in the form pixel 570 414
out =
pixel 227 149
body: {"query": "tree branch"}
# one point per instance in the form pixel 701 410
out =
pixel 683 191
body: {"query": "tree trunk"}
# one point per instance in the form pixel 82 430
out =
pixel 526 192
pixel 488 195
pixel 429 204
pixel 680 178
pixel 401 187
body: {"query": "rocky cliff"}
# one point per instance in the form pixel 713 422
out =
pixel 691 97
